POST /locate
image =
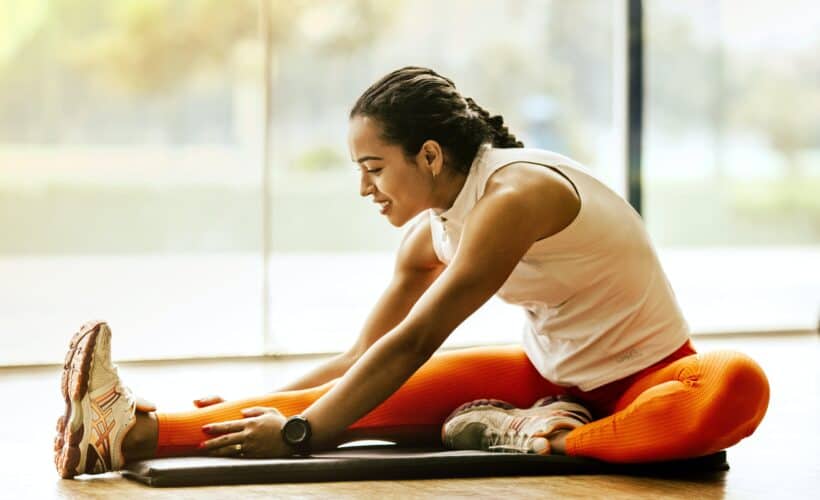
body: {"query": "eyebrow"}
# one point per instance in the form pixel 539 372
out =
pixel 366 158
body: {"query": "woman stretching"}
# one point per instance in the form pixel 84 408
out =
pixel 605 370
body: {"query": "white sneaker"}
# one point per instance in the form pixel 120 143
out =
pixel 494 425
pixel 99 409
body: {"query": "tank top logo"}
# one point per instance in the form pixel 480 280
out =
pixel 630 354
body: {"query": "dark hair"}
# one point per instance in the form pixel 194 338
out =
pixel 414 104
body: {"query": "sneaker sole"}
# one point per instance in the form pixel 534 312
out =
pixel 479 404
pixel 74 386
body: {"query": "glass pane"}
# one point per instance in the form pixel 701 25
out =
pixel 333 252
pixel 130 176
pixel 732 168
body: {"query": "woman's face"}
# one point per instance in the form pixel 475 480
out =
pixel 401 188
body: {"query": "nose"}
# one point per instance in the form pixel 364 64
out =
pixel 365 187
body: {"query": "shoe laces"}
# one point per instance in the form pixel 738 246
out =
pixel 511 439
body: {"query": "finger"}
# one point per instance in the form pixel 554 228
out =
pixel 233 450
pixel 208 401
pixel 255 411
pixel 145 406
pixel 224 427
pixel 222 441
pixel 252 412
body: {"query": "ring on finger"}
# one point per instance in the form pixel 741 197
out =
pixel 238 449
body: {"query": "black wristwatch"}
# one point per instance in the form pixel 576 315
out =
pixel 296 433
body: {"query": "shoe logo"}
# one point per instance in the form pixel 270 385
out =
pixel 518 423
pixel 103 422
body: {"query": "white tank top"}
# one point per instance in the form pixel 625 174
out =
pixel 598 305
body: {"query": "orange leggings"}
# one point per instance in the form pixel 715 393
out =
pixel 683 406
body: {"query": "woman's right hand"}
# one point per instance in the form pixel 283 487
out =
pixel 208 401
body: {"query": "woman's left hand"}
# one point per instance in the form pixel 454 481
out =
pixel 258 435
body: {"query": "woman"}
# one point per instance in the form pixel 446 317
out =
pixel 604 335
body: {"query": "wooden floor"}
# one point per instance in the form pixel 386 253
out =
pixel 782 460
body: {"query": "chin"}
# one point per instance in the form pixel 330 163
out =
pixel 396 223
pixel 400 220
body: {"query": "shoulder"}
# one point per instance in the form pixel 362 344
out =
pixel 416 253
pixel 535 190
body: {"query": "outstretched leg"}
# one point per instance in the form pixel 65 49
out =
pixel 694 406
pixel 414 413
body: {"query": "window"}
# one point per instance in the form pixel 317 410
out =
pixel 135 185
pixel 732 164
pixel 130 177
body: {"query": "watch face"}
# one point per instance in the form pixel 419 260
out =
pixel 295 431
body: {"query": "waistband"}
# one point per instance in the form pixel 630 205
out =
pixel 601 400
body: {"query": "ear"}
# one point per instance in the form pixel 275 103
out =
pixel 432 156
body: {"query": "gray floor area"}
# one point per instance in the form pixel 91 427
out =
pixel 781 460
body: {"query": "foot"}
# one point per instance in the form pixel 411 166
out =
pixel 493 425
pixel 99 409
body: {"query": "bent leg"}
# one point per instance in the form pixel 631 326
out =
pixel 415 411
pixel 694 406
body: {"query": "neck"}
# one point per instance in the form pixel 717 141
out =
pixel 446 188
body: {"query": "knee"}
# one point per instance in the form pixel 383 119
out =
pixel 739 391
pixel 744 378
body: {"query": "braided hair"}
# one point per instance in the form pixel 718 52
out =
pixel 415 104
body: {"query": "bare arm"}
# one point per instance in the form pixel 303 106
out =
pixel 331 369
pixel 416 268
pixel 497 234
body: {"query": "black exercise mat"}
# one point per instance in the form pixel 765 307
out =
pixel 390 462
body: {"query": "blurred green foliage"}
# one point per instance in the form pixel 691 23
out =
pixel 320 158
pixel 754 212
pixel 83 220
pixel 786 196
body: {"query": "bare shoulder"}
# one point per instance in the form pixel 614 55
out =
pixel 416 251
pixel 541 190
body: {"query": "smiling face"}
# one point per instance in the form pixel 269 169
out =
pixel 402 187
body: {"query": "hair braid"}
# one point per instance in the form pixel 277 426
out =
pixel 502 138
